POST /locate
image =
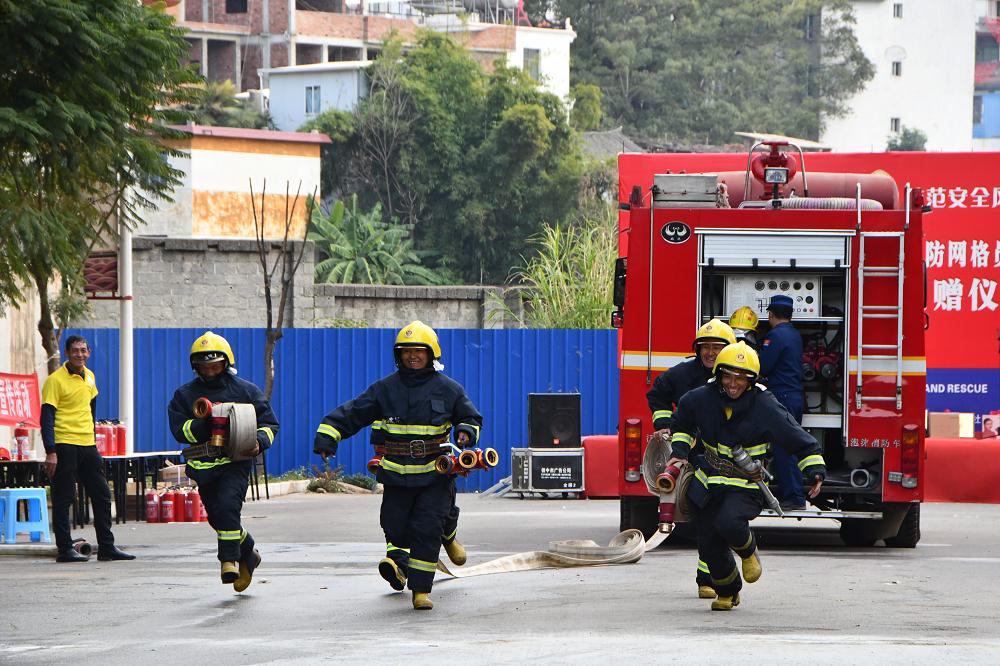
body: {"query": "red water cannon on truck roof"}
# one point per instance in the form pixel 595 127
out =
pixel 847 248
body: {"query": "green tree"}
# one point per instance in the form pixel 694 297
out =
pixel 216 104
pixel 907 139
pixel 698 70
pixel 337 173
pixel 476 162
pixel 86 91
pixel 359 248
pixel 587 113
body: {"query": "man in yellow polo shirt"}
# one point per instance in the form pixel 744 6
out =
pixel 68 399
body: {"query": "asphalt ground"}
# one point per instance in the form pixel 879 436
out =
pixel 317 597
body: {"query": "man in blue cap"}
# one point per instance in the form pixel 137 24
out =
pixel 781 364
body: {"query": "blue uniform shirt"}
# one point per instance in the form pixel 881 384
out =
pixel 781 359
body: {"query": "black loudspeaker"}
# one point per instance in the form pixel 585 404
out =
pixel 553 420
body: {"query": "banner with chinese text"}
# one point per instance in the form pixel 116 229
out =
pixel 962 245
pixel 20 403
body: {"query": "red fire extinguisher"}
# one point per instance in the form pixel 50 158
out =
pixel 167 509
pixel 120 437
pixel 152 506
pixel 101 438
pixel 203 512
pixel 192 506
pixel 179 502
pixel 22 449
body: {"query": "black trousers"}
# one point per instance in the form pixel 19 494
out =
pixel 223 489
pixel 83 463
pixel 451 520
pixel 724 528
pixel 413 520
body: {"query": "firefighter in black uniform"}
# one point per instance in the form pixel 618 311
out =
pixel 668 388
pixel 728 414
pixel 222 482
pixel 412 413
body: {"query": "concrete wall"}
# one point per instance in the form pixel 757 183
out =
pixel 217 283
pixel 180 283
pixel 935 42
pixel 553 46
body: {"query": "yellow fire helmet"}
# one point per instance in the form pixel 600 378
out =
pixel 739 357
pixel 714 331
pixel 211 347
pixel 744 318
pixel 418 334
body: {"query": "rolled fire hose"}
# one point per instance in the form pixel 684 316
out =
pixel 241 440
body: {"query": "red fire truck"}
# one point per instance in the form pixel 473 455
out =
pixel 848 249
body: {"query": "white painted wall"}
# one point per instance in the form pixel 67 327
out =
pixel 172 218
pixel 340 88
pixel 225 171
pixel 554 50
pixel 935 41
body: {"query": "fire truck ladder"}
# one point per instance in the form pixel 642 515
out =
pixel 872 352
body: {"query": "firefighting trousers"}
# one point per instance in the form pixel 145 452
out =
pixel 785 465
pixel 413 520
pixel 451 520
pixel 223 489
pixel 724 528
pixel 83 463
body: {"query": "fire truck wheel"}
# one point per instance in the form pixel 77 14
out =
pixel 857 533
pixel 639 513
pixel 909 531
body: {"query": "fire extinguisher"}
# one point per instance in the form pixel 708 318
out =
pixel 120 437
pixel 152 506
pixel 167 508
pixel 192 506
pixel 101 438
pixel 21 445
pixel 202 512
pixel 180 505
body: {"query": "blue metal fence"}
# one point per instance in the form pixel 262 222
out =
pixel 317 369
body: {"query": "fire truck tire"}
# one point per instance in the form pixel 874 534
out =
pixel 639 513
pixel 858 533
pixel 909 531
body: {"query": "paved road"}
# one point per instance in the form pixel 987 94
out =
pixel 318 598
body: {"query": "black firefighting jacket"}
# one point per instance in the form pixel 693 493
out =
pixel 405 406
pixel 225 388
pixel 671 385
pixel 755 421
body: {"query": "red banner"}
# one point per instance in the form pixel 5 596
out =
pixel 20 402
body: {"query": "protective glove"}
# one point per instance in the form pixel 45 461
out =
pixel 262 442
pixel 324 445
pixel 463 440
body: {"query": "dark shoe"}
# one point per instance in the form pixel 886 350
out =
pixel 71 556
pixel 793 506
pixel 112 553
pixel 392 573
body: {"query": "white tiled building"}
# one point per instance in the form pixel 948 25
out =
pixel 924 57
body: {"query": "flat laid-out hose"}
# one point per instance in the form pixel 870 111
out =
pixel 625 548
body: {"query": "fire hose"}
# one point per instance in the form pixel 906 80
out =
pixel 234 430
pixel 626 547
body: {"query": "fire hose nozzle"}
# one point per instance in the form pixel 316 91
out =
pixel 220 430
pixel 468 459
pixel 490 458
pixel 445 464
pixel 666 481
pixel 202 407
pixel 754 468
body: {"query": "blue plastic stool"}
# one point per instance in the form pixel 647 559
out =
pixel 37 523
